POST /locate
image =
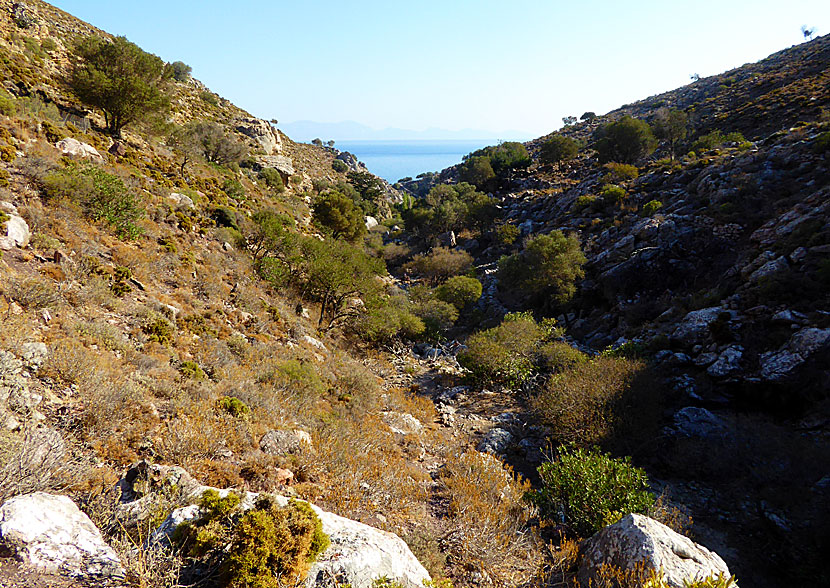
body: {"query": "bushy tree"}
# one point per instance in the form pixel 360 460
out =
pixel 546 269
pixel 440 264
pixel 339 214
pixel 459 291
pixel 181 71
pixel 215 144
pixel 588 116
pixel 477 170
pixel 624 141
pixel 119 78
pixel 672 127
pixel 558 149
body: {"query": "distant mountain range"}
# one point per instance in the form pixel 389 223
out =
pixel 306 130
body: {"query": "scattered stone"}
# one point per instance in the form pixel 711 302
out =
pixel 770 268
pixel 496 441
pixel 317 344
pixel 728 362
pixel 695 326
pixel 34 354
pixel 118 149
pixel 640 540
pixel 50 533
pixel 402 423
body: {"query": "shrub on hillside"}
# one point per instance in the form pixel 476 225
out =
pixel 547 269
pixel 477 171
pixel 558 149
pixel 586 490
pixel 272 178
pixel 440 264
pixel 339 214
pixel 181 71
pixel 505 354
pixel 459 291
pixel 339 166
pixel 624 141
pixel 652 206
pixel 716 139
pixel 605 400
pixel 620 172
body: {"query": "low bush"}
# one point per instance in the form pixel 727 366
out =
pixel 620 172
pixel 459 291
pixel 586 489
pixel 339 166
pixel 232 405
pixel 652 206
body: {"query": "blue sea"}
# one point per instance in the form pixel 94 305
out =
pixel 393 160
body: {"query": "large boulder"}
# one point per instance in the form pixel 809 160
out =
pixel 14 232
pixel 50 533
pixel 79 149
pixel 282 442
pixel 639 540
pixel 358 555
pixel 694 327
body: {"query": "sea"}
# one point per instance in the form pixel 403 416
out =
pixel 393 160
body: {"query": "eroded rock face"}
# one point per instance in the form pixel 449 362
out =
pixel 638 539
pixel 263 133
pixel 50 533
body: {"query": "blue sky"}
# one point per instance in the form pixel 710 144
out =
pixel 451 64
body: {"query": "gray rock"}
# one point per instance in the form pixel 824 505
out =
pixel 728 362
pixel 75 148
pixel 695 326
pixel 316 343
pixel 769 269
pixel 34 354
pixel 495 441
pixel 706 359
pixel 371 222
pixel 15 231
pixel 779 365
pixel 698 422
pixel 807 341
pixel 262 132
pixel 181 200
pixel 639 540
pixel 50 533
pixel 402 423
pixel 283 442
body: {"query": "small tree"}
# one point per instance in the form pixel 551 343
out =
pixel 558 149
pixel 120 79
pixel 477 170
pixel 808 32
pixel 340 215
pixel 588 116
pixel 672 127
pixel 181 71
pixel 459 291
pixel 624 141
pixel 569 120
pixel 548 268
pixel 213 142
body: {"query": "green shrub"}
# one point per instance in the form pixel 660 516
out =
pixel 620 172
pixel 624 141
pixel 717 138
pixel 339 166
pixel 822 144
pixel 8 105
pixel 507 234
pixel 612 194
pixel 558 356
pixel 225 216
pixel 192 371
pixel 652 206
pixel 159 330
pixel 440 264
pixel 233 188
pixel 48 44
pixel 120 277
pixel 459 291
pixel 339 214
pixel 505 354
pixel 586 489
pixel 232 405
pixel 588 200
pixel 436 315
pixel 181 71
pixel 272 178
pixel 558 149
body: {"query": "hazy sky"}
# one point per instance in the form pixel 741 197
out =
pixel 452 64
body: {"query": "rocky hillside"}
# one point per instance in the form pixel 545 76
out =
pixel 227 358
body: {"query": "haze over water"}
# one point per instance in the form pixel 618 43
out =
pixel 393 160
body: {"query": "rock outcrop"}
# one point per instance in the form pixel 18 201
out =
pixel 50 533
pixel 640 540
pixel 265 135
pixel 79 149
pixel 14 232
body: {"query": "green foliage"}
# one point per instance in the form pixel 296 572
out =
pixel 120 276
pixel 459 291
pixel 233 406
pixel 558 149
pixel 440 264
pixel 102 195
pixel 504 157
pixel 181 71
pixel 450 208
pixel 120 79
pixel 652 206
pixel 821 145
pixel 505 354
pixel 612 194
pixel 270 235
pixel 588 116
pixel 159 330
pixel 716 138
pixel 585 488
pixel 272 178
pixel 477 170
pixel 588 200
pixel 546 269
pixel 339 166
pixel 233 188
pixel 339 214
pixel 191 370
pixel 671 126
pixel 209 140
pixel 8 105
pixel 390 317
pixel 436 315
pixel 507 234
pixel 225 216
pixel 558 356
pixel 620 172
pixel 624 141
pixel 369 188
